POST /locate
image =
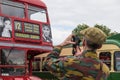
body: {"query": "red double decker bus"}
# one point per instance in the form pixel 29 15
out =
pixel 24 33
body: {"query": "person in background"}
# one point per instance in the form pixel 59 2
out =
pixel 7 28
pixel 87 66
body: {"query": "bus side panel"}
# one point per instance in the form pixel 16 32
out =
pixel 114 76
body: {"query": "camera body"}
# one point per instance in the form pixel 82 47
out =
pixel 77 41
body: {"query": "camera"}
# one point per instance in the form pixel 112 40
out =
pixel 77 41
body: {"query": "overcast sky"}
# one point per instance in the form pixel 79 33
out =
pixel 65 15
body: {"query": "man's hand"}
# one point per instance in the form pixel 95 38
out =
pixel 67 41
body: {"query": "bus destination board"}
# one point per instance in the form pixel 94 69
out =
pixel 29 30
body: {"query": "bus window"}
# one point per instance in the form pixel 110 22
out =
pixel 37 14
pixel 106 58
pixel 117 60
pixel 11 8
pixel 14 59
pixel 10 57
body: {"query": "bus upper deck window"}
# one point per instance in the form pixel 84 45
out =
pixel 117 60
pixel 11 8
pixel 37 14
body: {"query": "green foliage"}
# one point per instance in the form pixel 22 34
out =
pixel 106 30
pixel 113 33
pixel 102 27
pixel 80 27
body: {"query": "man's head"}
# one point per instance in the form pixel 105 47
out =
pixel 94 37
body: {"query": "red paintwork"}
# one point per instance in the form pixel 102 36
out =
pixel 29 41
pixel 34 78
pixel 34 2
pixel 10 42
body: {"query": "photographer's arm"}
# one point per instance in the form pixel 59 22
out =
pixel 57 49
pixel 53 59
pixel 56 64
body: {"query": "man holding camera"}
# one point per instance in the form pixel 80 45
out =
pixel 86 65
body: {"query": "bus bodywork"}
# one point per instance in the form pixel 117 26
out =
pixel 21 37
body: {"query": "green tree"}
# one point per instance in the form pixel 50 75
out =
pixel 106 30
pixel 113 33
pixel 102 27
pixel 80 27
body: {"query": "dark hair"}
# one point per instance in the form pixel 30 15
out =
pixel 5 19
pixel 92 45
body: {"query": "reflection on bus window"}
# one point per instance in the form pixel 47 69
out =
pixel 117 60
pixel 11 8
pixel 12 57
pixel 106 58
pixel 37 14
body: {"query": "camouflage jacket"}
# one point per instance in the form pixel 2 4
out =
pixel 86 67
